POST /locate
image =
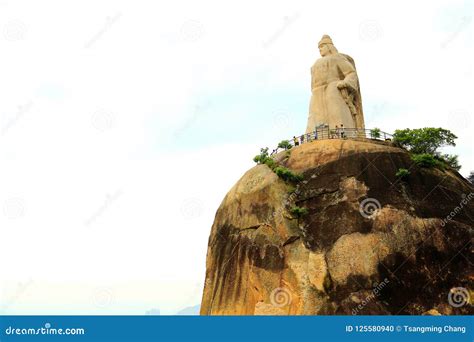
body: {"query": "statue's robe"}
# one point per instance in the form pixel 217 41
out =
pixel 329 105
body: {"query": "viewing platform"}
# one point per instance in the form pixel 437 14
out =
pixel 325 133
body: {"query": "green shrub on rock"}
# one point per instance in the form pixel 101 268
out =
pixel 425 160
pixel 285 144
pixel 298 212
pixel 287 175
pixel 402 174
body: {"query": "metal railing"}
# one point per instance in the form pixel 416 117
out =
pixel 324 133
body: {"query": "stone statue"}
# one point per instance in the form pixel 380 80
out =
pixel 335 97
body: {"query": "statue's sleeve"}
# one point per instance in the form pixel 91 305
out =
pixel 350 75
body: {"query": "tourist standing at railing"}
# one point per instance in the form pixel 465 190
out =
pixel 316 133
pixel 308 137
pixel 343 133
pixel 336 133
pixel 295 141
pixel 302 139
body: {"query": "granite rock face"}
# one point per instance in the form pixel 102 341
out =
pixel 369 244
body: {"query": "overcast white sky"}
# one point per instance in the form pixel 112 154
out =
pixel 124 123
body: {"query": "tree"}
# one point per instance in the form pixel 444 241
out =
pixel 451 160
pixel 375 133
pixel 262 157
pixel 470 178
pixel 424 140
pixel 285 144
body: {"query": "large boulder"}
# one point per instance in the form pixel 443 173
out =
pixel 370 242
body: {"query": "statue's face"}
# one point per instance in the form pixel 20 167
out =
pixel 324 50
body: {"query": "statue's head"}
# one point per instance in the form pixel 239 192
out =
pixel 326 47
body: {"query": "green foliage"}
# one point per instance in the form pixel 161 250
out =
pixel 298 211
pixel 440 161
pixel 424 140
pixel 426 160
pixel 291 189
pixel 285 144
pixel 262 157
pixel 375 133
pixel 451 160
pixel 402 173
pixel 271 163
pixel 281 171
pixel 287 175
pixel 470 178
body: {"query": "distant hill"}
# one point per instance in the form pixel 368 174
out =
pixel 189 311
